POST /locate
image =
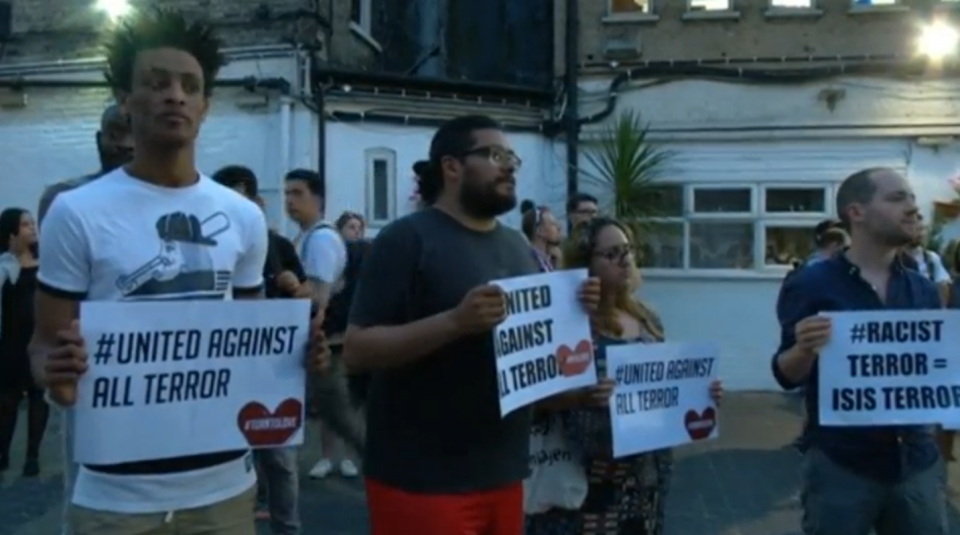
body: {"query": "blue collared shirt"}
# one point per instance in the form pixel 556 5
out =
pixel 889 453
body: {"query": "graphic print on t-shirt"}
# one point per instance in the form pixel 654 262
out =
pixel 184 263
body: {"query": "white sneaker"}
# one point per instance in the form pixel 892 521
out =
pixel 322 469
pixel 349 469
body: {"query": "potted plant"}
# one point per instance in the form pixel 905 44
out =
pixel 626 169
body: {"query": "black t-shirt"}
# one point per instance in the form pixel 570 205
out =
pixel 281 256
pixel 434 426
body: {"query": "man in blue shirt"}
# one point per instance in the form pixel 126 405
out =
pixel 861 480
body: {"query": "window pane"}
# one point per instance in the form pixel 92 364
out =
pixel 713 201
pixel 666 201
pixel 721 245
pixel 794 200
pixel 661 245
pixel 792 3
pixel 709 5
pixel 355 8
pixel 381 190
pixel 629 6
pixel 785 246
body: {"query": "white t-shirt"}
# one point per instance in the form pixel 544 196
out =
pixel 122 239
pixel 323 254
pixel 940 273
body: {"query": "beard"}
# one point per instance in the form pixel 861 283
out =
pixel 481 199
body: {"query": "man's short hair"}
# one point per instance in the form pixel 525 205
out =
pixel 857 188
pixel 232 176
pixel 823 228
pixel 577 199
pixel 832 236
pixel 311 178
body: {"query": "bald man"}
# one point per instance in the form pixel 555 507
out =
pixel 114 147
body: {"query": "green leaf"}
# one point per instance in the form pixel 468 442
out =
pixel 627 168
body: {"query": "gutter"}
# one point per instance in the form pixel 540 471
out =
pixel 572 91
pixel 347 77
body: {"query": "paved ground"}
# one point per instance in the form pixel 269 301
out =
pixel 743 484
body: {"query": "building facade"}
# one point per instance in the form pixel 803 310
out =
pixel 767 108
pixel 350 87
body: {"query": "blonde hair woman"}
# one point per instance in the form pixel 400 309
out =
pixel 626 496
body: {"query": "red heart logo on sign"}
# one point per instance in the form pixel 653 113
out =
pixel 574 361
pixel 262 428
pixel 700 425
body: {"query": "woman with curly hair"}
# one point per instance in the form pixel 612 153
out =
pixel 627 495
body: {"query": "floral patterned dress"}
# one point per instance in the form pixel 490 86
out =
pixel 626 496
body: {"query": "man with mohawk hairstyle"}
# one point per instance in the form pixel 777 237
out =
pixel 100 243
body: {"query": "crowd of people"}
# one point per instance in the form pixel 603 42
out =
pixel 401 361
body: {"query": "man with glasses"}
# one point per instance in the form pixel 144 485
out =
pixel 581 208
pixel 440 459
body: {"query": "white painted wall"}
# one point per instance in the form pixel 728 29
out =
pixel 52 138
pixel 541 179
pixel 737 133
pixel 881 107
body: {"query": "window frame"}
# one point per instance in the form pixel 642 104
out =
pixel 371 157
pixel 690 200
pixel 758 217
pixel 365 14
pixel 826 188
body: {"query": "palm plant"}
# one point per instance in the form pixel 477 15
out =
pixel 627 168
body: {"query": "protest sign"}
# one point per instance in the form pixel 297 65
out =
pixel 890 367
pixel 662 398
pixel 543 348
pixel 176 378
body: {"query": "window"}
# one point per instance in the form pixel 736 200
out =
pixel 792 213
pixel 732 227
pixel 802 4
pixel 661 237
pixel 711 5
pixel 722 234
pixel 360 14
pixel 804 200
pixel 868 3
pixel 624 7
pixel 381 186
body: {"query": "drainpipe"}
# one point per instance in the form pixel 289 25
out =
pixel 286 107
pixel 572 118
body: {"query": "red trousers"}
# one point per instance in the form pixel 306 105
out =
pixel 396 512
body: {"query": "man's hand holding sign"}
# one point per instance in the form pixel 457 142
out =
pixel 227 364
pixel 544 347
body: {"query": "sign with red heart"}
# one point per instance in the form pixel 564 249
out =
pixel 699 425
pixel 575 361
pixel 263 428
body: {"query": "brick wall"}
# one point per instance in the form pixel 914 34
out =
pixel 832 29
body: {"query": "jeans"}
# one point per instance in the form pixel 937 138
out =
pixel 279 469
pixel 837 501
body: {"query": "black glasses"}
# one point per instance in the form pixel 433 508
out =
pixel 617 254
pixel 498 156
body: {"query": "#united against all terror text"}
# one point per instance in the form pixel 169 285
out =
pixel 181 346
